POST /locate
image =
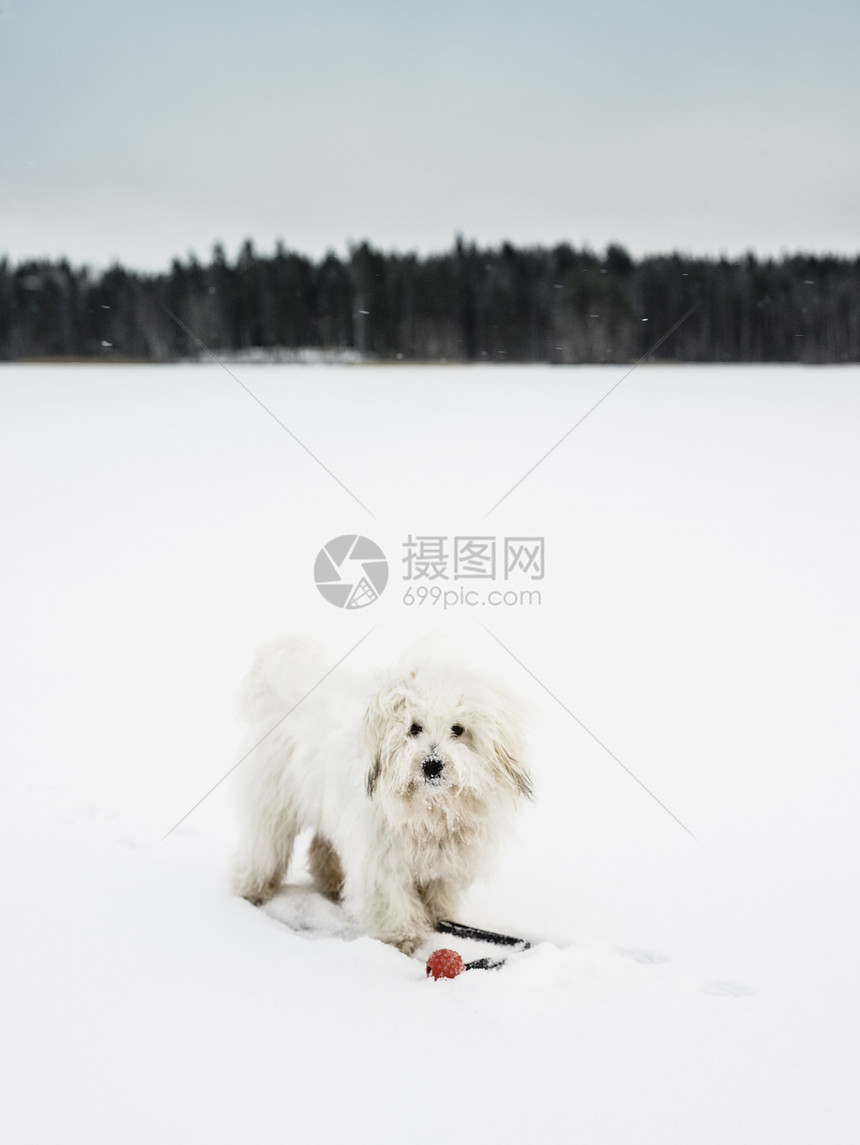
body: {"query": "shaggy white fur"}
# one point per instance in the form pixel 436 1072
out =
pixel 408 788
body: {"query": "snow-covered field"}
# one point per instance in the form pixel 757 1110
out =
pixel 698 614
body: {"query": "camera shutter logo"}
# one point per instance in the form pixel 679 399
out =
pixel 351 571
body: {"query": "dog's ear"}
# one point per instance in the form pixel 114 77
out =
pixel 515 771
pixel 382 731
pixel 509 744
pixel 373 776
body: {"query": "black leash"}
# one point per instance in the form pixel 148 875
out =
pixel 458 930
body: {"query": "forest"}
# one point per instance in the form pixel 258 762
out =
pixel 501 304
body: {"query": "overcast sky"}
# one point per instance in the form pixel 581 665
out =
pixel 143 131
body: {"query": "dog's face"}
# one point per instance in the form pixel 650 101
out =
pixel 444 736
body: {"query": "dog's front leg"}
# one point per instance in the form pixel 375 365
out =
pixel 389 907
pixel 404 923
pixel 440 901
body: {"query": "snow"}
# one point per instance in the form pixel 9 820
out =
pixel 698 615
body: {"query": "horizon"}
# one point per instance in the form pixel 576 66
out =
pixel 270 251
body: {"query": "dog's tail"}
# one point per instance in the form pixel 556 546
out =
pixel 284 671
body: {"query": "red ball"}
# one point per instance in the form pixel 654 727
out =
pixel 445 964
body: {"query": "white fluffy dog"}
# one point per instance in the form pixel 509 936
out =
pixel 407 789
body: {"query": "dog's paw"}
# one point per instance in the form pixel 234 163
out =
pixel 407 945
pixel 253 889
pixel 259 899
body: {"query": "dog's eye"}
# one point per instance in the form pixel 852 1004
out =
pixel 416 730
pixel 457 730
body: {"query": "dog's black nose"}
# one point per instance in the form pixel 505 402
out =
pixel 432 766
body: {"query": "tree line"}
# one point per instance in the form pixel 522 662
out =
pixel 501 304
